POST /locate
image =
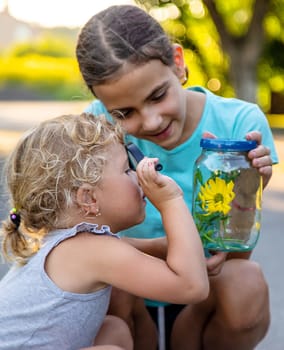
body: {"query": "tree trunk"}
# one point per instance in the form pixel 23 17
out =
pixel 243 69
pixel 244 80
pixel 243 52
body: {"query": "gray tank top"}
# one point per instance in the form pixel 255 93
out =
pixel 36 314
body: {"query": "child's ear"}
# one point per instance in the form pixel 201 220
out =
pixel 179 61
pixel 86 199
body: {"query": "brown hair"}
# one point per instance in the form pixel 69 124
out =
pixel 118 35
pixel 49 163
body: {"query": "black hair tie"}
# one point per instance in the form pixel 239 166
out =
pixel 15 217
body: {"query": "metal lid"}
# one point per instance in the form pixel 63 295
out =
pixel 228 144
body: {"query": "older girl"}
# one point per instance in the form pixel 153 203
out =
pixel 136 73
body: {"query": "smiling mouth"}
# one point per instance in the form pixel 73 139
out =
pixel 164 133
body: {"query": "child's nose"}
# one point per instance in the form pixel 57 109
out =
pixel 151 119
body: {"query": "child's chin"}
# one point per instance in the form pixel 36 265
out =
pixel 141 219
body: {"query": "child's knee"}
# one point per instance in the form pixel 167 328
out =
pixel 117 326
pixel 114 331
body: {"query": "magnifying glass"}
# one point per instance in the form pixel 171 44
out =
pixel 135 156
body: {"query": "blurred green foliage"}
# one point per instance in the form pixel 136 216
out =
pixel 47 67
pixel 190 22
pixel 45 46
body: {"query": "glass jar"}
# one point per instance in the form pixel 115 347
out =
pixel 227 193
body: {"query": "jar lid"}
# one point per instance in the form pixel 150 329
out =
pixel 228 144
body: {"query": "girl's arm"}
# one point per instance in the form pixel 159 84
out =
pixel 182 276
pixel 153 246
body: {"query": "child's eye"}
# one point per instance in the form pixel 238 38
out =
pixel 159 96
pixel 120 114
pixel 128 171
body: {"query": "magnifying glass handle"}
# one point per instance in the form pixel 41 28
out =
pixel 138 155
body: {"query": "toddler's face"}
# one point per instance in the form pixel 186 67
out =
pixel 120 196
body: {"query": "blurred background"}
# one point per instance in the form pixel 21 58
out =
pixel 37 48
pixel 232 47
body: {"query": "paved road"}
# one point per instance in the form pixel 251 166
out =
pixel 15 117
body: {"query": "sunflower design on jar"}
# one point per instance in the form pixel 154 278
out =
pixel 216 196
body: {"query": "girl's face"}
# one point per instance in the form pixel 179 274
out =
pixel 150 103
pixel 120 198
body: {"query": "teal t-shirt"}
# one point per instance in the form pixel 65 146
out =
pixel 223 117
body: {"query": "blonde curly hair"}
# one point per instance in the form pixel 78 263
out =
pixel 47 166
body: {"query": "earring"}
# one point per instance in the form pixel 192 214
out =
pixel 98 213
pixel 184 79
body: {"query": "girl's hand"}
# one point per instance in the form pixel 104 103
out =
pixel 215 262
pixel 260 157
pixel 158 188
